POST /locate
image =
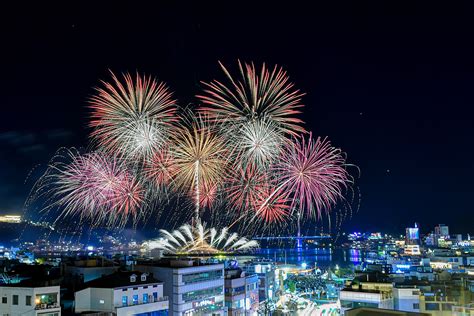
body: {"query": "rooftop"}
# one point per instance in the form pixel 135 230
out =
pixel 349 289
pixel 121 279
pixel 234 273
pixel 33 282
pixel 177 263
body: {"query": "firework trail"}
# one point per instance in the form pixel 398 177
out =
pixel 271 207
pixel 200 157
pixel 132 117
pixel 207 195
pixel 254 96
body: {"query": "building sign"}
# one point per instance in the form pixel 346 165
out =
pixel 206 302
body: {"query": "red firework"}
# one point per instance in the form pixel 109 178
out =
pixel 313 173
pixel 207 195
pixel 271 206
pixel 245 187
pixel 161 168
pixel 128 197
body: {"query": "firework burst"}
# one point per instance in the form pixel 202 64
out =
pixel 160 169
pixel 256 142
pixel 207 196
pixel 246 186
pixel 313 173
pixel 132 117
pixel 271 206
pixel 244 148
pixel 95 188
pixel 255 96
pixel 198 239
pixel 200 158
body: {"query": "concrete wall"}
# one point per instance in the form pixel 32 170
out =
pixel 108 300
pixel 406 300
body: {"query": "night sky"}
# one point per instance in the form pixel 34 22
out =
pixel 390 85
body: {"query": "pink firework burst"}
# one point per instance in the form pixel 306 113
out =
pixel 97 188
pixel 313 173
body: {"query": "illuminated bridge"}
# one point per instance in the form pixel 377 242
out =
pixel 291 237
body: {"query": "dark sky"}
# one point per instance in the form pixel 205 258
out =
pixel 391 85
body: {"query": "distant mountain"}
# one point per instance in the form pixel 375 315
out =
pixel 13 233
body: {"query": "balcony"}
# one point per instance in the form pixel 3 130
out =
pixel 47 306
pixel 439 298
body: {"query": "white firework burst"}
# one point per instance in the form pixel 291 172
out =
pixel 257 141
pixel 142 137
pixel 198 239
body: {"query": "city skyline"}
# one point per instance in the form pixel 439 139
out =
pixel 386 106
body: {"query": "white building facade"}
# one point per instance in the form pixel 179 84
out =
pixel 30 301
pixel 406 299
pixel 141 296
pixel 365 298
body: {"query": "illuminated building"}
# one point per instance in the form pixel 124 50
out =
pixel 412 250
pixel 412 235
pixel 241 292
pixel 193 287
pixel 443 242
pixel 266 275
pixel 442 231
pixel 367 290
pixel 10 219
pixel 123 293
pixel 442 299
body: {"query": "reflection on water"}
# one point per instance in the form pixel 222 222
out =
pixel 322 257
